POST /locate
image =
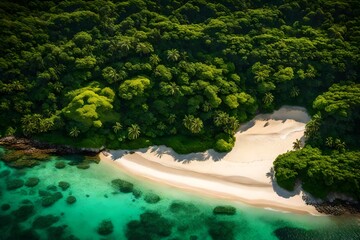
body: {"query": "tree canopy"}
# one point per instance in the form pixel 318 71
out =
pixel 78 68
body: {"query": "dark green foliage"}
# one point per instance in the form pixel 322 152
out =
pixel 320 173
pixel 177 73
pixel 77 68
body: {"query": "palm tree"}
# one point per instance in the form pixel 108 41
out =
pixel 206 106
pixel 188 120
pixel 329 141
pixel 196 125
pixel 268 98
pixel 312 127
pixel 117 127
pixel 193 124
pixel 294 92
pixel 232 125
pixel 154 59
pixel 125 45
pixel 173 88
pixel 171 118
pixel 133 131
pixel 297 144
pixel 339 145
pixel 221 118
pixel 161 126
pixel 173 55
pixel 74 132
pixel 144 48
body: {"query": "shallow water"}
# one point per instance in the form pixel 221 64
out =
pixel 178 213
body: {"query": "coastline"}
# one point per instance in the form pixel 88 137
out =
pixel 243 175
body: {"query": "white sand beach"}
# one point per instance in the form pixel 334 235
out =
pixel 244 174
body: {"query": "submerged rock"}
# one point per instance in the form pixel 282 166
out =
pixel 151 198
pixel 32 182
pixel 24 212
pixel 122 185
pixel 28 234
pixel 60 165
pixel 14 184
pixel 56 232
pixel 5 220
pixel 5 207
pixel 151 225
pixel 44 193
pixel 71 199
pixel 51 188
pixel 224 210
pixel 179 207
pixel 50 200
pixel 105 227
pixel 83 166
pixel 64 185
pixel 292 233
pixel 137 193
pixel 222 230
pixel 45 221
pixel 4 173
pixel 155 223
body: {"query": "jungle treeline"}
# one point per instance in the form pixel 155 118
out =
pixel 127 74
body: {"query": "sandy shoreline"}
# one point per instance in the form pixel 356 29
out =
pixel 241 175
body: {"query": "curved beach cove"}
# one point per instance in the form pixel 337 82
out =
pixel 244 174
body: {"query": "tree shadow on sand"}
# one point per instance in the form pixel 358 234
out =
pixel 279 190
pixel 211 154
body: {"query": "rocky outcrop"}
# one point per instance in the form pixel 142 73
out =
pixel 106 227
pixel 224 210
pixel 23 152
pixel 122 185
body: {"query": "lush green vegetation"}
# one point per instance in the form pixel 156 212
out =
pixel 184 73
pixel 334 129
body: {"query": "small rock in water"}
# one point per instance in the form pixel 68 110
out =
pixel 106 196
pixel 152 198
pixel 224 210
pixel 60 165
pixel 26 201
pixel 122 185
pixel 4 173
pixel 87 195
pixel 83 166
pixel 5 207
pixel 55 232
pixel 5 220
pixel 44 193
pixel 32 182
pixel 44 221
pixel 50 200
pixel 71 199
pixel 137 193
pixel 64 185
pixel 24 212
pixel 51 188
pixel 105 227
pixel 14 184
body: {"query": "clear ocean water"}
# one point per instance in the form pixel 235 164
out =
pixel 178 214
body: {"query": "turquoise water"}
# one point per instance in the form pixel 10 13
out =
pixel 178 213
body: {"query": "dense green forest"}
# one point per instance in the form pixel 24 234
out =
pixel 124 74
